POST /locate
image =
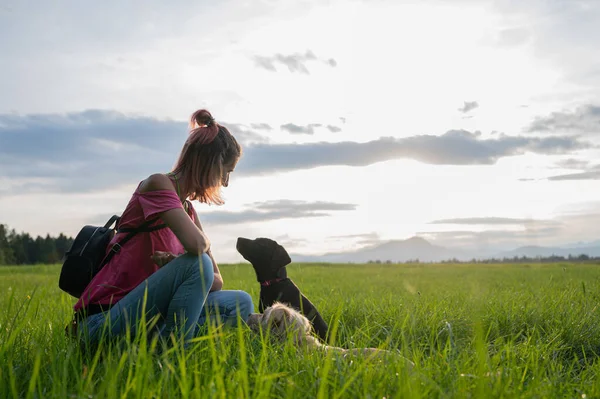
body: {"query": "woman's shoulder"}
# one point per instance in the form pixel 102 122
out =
pixel 156 182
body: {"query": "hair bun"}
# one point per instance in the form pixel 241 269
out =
pixel 201 118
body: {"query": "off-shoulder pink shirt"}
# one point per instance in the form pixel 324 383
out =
pixel 132 264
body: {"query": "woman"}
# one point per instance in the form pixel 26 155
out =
pixel 169 271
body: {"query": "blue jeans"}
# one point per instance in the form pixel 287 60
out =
pixel 178 294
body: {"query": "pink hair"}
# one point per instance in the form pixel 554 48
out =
pixel 203 126
pixel 207 150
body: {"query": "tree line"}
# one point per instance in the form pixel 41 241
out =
pixel 515 259
pixel 23 249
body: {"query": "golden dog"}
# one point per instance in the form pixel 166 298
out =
pixel 280 319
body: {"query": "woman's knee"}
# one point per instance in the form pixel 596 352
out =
pixel 207 273
pixel 245 304
pixel 202 266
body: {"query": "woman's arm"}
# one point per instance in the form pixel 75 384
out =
pixel 218 281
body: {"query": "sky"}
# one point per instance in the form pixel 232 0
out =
pixel 473 124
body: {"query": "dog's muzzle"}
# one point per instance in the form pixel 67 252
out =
pixel 242 243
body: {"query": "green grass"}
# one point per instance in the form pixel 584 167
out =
pixel 472 331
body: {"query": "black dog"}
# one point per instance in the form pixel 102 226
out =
pixel 269 260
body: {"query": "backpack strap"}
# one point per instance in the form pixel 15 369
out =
pixel 112 220
pixel 116 247
pixel 142 228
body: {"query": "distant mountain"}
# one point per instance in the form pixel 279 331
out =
pixel 421 249
pixel 582 244
pixel 395 251
pixel 533 251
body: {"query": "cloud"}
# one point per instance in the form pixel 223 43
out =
pixel 530 229
pixel 563 230
pixel 587 172
pixel 90 150
pixel 294 62
pixel 261 126
pixel 572 163
pixel 290 242
pixel 468 106
pixel 592 174
pixel 293 206
pixel 455 147
pixel 297 129
pixel 246 135
pixel 583 120
pixel 275 210
pixel 492 240
pixel 308 129
pixel 486 221
pixel 95 150
pixel 365 239
pixel 362 236
pixel 513 37
pixel 265 63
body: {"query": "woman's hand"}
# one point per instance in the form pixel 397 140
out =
pixel 161 258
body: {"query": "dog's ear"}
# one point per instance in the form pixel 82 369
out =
pixel 280 257
pixel 279 320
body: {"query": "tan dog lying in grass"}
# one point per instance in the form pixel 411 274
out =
pixel 280 319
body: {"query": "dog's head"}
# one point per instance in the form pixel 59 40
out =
pixel 266 256
pixel 279 319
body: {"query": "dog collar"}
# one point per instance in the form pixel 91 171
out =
pixel 271 282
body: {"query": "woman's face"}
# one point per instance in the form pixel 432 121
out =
pixel 227 169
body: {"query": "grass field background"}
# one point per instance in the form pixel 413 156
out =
pixel 482 331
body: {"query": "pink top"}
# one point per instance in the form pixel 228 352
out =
pixel 132 264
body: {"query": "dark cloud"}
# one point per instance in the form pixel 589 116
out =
pixel 87 150
pixel 334 129
pixel 292 206
pixel 456 147
pixel 294 62
pixel 90 150
pixel 583 120
pixel 298 129
pixel 468 106
pixel 486 221
pixel 275 210
pixel 246 135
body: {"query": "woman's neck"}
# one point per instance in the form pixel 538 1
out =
pixel 180 186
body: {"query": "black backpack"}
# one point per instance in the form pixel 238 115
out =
pixel 88 253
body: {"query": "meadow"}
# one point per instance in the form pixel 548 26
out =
pixel 482 331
